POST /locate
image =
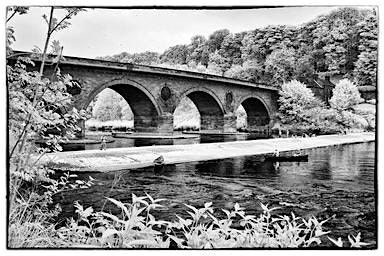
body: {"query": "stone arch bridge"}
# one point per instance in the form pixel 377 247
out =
pixel 153 94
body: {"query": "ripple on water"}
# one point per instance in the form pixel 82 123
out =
pixel 335 181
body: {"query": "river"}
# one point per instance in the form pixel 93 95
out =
pixel 336 181
pixel 141 142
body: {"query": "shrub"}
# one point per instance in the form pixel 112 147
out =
pixel 295 101
pixel 136 227
pixel 351 120
pixel 31 217
pixel 345 95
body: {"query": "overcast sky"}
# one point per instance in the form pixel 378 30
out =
pixel 100 32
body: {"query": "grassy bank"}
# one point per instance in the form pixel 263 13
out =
pixel 118 125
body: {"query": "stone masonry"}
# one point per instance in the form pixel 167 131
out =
pixel 153 94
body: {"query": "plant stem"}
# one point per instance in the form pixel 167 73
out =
pixel 10 17
pixel 49 33
pixel 27 125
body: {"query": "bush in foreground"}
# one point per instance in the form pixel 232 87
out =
pixel 136 227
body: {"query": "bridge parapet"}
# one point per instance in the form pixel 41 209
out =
pixel 154 93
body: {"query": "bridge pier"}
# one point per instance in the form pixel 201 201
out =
pixel 211 122
pixel 259 124
pixel 154 124
pixel 81 133
pixel 230 121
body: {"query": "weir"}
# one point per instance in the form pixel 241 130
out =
pixel 137 157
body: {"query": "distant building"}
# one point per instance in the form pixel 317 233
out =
pixel 367 92
pixel 322 88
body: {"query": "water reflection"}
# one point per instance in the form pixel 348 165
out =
pixel 141 142
pixel 347 169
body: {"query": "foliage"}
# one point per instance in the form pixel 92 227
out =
pixel 32 214
pixel 345 95
pixel 111 106
pixel 250 71
pixel 295 99
pixel 352 120
pixel 365 71
pixel 143 58
pixel 136 227
pixel 198 50
pixel 176 55
pixel 10 38
pixel 222 63
pixel 39 106
pixel 216 39
pixel 280 64
pixel 300 111
pixel 343 42
pixel 304 70
pixel 94 124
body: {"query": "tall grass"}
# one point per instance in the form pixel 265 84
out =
pixel 31 209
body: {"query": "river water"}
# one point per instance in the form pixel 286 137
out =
pixel 141 142
pixel 337 181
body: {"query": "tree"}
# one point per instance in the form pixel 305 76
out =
pixel 39 94
pixel 336 35
pixel 223 63
pixel 295 99
pixel 304 70
pixel 343 43
pixel 236 72
pixel 253 46
pixel 12 11
pixel 345 95
pixel 251 71
pixel 231 48
pixel 111 106
pixel 365 71
pixel 198 50
pixel 281 64
pixel 145 58
pixel 216 38
pixel 39 107
pixel 176 55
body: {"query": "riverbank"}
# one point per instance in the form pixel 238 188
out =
pixel 138 157
pixel 138 135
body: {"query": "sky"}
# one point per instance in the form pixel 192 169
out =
pixel 101 32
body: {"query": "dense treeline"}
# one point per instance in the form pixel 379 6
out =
pixel 341 43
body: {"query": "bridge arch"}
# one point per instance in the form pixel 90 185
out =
pixel 209 106
pixel 258 113
pixel 146 110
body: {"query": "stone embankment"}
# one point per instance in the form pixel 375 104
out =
pixel 137 157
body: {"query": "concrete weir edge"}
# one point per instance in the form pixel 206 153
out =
pixel 138 157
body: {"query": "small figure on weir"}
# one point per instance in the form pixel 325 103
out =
pixel 299 152
pixel 103 145
pixel 276 153
pixel 159 160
